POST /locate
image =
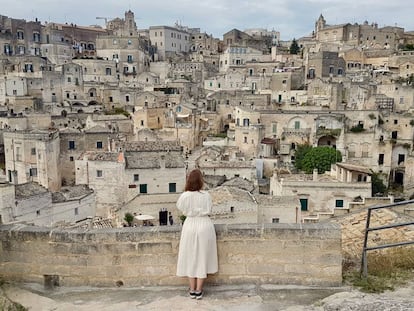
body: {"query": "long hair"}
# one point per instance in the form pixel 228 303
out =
pixel 194 181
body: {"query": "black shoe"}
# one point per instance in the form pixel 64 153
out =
pixel 198 295
pixel 193 294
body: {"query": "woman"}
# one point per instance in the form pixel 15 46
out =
pixel 197 255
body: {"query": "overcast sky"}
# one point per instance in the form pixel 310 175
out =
pixel 292 18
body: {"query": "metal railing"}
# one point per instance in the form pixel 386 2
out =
pixel 364 263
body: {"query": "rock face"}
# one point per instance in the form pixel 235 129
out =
pixel 400 300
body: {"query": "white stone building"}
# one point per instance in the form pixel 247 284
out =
pixel 33 156
pixel 169 40
pixel 322 194
pixel 138 168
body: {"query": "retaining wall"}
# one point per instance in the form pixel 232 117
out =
pixel 300 254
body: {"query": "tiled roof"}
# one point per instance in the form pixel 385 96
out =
pixel 29 189
pixel 149 146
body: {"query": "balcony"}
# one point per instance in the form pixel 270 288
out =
pixel 328 132
pixel 304 132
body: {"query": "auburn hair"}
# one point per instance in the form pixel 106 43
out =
pixel 194 181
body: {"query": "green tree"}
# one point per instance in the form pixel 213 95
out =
pixel 300 153
pixel 377 185
pixel 320 158
pixel 129 218
pixel 294 47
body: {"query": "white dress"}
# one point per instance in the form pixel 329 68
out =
pixel 197 255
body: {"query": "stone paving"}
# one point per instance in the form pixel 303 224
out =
pixel 217 298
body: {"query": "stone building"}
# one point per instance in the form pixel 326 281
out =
pixel 33 156
pixel 73 143
pixel 138 168
pixel 169 41
pixel 236 56
pixel 273 209
pixel 324 64
pixel 368 36
pixel 321 194
pixel 126 53
pixel 33 204
pixel 232 205
pixel 20 37
pixel 225 161
pixel 204 44
pixel 62 42
pixel 252 38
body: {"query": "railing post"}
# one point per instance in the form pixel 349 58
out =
pixel 364 263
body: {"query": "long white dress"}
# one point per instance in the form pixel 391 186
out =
pixel 197 255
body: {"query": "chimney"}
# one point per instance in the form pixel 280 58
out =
pixel 121 158
pixel 315 174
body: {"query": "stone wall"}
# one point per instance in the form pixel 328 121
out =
pixel 302 254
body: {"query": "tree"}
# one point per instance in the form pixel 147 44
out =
pixel 129 218
pixel 300 154
pixel 378 187
pixel 320 158
pixel 294 47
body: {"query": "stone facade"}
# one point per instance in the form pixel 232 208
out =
pixel 321 194
pixel 33 156
pixel 169 40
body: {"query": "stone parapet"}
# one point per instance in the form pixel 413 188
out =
pixel 300 254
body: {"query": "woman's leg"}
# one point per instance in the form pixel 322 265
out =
pixel 193 284
pixel 200 284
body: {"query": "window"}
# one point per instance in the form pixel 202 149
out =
pixel 99 145
pixel 129 58
pixel 143 188
pixel 274 127
pixel 275 220
pixel 33 172
pixel 136 177
pixel 38 213
pixel 36 37
pixel 394 135
pixel 297 125
pixel 395 121
pixel 303 204
pixel 69 79
pixel 71 144
pixel 99 173
pixel 76 211
pixel 18 154
pixel 127 98
pixel 20 35
pixel 172 187
pixel 381 159
pixel 33 151
pixel 111 99
pixel 311 74
pixel 71 159
pixel 401 158
pixel 231 209
pixel 339 203
pixel 108 71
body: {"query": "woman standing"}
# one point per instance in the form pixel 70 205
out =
pixel 197 255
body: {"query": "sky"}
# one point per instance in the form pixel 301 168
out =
pixel 292 18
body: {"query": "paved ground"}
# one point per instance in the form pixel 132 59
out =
pixel 217 298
